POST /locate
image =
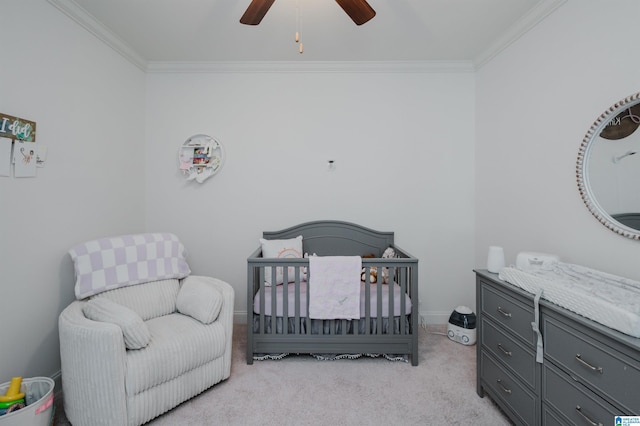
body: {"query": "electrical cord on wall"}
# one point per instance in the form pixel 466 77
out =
pixel 423 324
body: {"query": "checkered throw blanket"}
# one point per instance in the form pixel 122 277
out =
pixel 109 263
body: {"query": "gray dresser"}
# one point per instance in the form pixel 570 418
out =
pixel 589 374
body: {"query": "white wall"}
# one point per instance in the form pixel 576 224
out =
pixel 535 103
pixel 402 145
pixel 88 104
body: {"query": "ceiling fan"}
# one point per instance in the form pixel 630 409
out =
pixel 358 10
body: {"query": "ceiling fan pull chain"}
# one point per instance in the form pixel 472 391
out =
pixel 298 27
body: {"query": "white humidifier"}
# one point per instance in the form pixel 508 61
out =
pixel 462 326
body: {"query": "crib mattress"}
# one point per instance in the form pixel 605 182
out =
pixel 605 298
pixel 397 292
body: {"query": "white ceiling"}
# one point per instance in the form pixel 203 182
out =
pixel 194 31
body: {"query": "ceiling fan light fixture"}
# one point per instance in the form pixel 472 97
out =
pixel 256 11
pixel 359 11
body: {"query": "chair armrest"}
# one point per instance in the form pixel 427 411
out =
pixel 92 358
pixel 226 314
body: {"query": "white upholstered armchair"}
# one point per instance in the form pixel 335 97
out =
pixel 132 352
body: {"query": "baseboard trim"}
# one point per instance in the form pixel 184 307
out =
pixel 434 318
pixel 240 317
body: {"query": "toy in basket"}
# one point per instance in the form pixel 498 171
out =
pixel 13 399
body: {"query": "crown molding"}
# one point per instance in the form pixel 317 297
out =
pixel 312 67
pixel 88 22
pixel 536 15
pixel 543 9
pixel 95 27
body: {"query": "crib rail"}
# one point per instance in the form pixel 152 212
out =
pixel 387 325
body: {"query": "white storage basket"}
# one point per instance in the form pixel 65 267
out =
pixel 39 403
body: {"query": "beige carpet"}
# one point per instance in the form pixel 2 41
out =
pixel 300 390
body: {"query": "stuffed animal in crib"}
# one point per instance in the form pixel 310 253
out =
pixel 389 253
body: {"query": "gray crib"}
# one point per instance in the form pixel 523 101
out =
pixel 277 322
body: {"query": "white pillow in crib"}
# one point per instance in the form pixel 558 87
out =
pixel 281 249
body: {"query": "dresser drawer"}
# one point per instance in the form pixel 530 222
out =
pixel 518 358
pixel 593 363
pixel 508 390
pixel 508 313
pixel 550 418
pixel 573 401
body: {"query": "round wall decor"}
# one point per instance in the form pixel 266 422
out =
pixel 201 157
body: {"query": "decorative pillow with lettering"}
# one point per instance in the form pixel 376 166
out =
pixel 281 249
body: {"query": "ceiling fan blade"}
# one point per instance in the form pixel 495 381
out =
pixel 256 11
pixel 358 10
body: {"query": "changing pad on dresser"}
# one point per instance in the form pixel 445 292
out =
pixel 605 298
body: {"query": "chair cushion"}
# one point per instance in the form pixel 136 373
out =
pixel 178 344
pixel 149 300
pixel 134 330
pixel 199 300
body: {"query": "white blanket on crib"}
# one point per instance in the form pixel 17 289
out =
pixel 334 287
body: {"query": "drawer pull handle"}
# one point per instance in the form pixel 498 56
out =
pixel 505 390
pixel 504 313
pixel 589 366
pixel 504 351
pixel 584 416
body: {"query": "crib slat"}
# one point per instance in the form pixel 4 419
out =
pixel 367 298
pixel 274 299
pixel 285 307
pixel 391 287
pixel 297 301
pixel 307 319
pixel 403 300
pixel 285 302
pixel 379 301
pixel 262 301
